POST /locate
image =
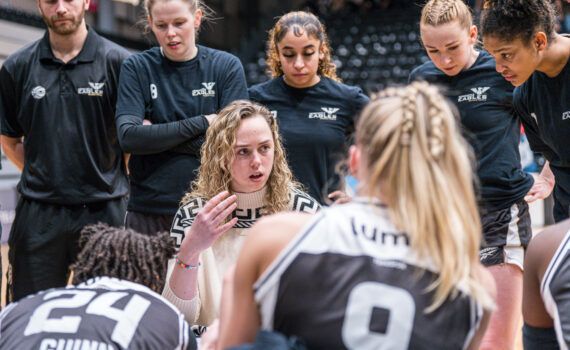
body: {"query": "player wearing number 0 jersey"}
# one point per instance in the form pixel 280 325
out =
pixel 102 313
pixel 355 253
pixel 105 309
pixel 397 268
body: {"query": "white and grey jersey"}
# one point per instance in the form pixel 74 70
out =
pixel 555 291
pixel 349 280
pixel 103 313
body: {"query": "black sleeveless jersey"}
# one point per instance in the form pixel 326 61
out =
pixel 101 314
pixel 555 291
pixel 361 287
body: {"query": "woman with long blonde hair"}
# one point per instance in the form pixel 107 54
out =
pixel 243 175
pixel 398 267
pixel 485 103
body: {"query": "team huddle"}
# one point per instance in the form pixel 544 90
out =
pixel 194 211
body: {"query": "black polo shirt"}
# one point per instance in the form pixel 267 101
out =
pixel 485 103
pixel 65 111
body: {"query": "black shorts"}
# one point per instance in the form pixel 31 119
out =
pixel 506 234
pixel 148 224
pixel 44 239
pixel 539 338
pixel 561 210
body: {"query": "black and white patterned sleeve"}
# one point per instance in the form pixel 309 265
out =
pixel 184 218
pixel 301 201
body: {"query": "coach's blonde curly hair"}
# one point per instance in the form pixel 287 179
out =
pixel 217 155
pixel 436 12
pixel 299 22
pixel 420 165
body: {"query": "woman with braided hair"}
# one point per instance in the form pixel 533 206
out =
pixel 243 175
pixel 489 123
pixel 534 58
pixel 396 268
pixel 314 110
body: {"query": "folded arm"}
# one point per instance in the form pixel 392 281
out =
pixel 137 138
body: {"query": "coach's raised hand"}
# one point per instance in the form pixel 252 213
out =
pixel 209 225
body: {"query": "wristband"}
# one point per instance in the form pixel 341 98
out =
pixel 185 266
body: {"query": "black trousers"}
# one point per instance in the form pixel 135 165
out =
pixel 44 240
pixel 561 210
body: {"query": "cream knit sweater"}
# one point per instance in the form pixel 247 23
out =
pixel 215 261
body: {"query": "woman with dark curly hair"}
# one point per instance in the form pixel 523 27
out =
pixel 243 175
pixel 534 58
pixel 314 110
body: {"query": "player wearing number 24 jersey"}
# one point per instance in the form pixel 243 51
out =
pixel 397 268
pixel 102 313
pixel 105 309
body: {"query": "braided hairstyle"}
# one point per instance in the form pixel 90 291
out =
pixel 421 167
pixel 299 22
pixel 436 12
pixel 123 253
pixel 508 20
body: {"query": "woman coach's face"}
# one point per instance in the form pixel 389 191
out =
pixel 299 57
pixel 450 46
pixel 174 24
pixel 253 155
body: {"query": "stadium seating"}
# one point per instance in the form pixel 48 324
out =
pixel 371 51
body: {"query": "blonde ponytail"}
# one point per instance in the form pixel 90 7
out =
pixel 421 165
